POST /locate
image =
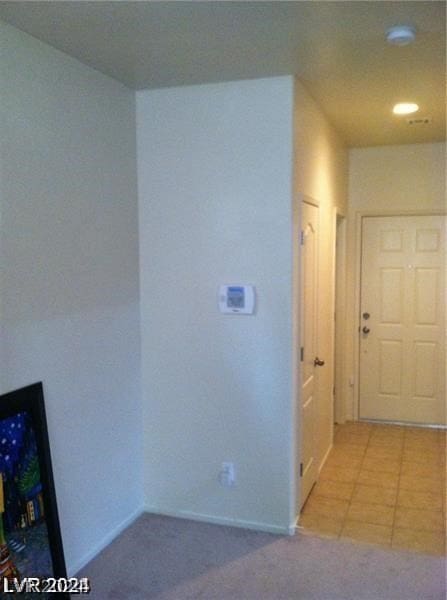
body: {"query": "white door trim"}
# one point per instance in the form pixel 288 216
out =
pixel 359 215
pixel 339 334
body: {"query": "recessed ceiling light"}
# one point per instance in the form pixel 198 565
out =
pixel 400 35
pixel 405 108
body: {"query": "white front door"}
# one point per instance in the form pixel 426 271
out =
pixel 308 327
pixel 402 319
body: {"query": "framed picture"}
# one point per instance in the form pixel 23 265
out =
pixel 30 540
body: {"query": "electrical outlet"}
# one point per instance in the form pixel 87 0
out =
pixel 227 475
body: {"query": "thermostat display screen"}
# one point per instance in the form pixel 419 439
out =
pixel 237 299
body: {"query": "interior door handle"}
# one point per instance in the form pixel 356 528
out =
pixel 318 362
pixel 366 329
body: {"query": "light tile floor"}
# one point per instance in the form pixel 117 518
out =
pixel 382 484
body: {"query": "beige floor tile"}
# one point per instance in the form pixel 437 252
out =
pixel 349 459
pixel 333 473
pixel 346 437
pixel 322 525
pixel 426 437
pixel 358 489
pixel 367 494
pixel 376 478
pixel 355 426
pixel 424 446
pixel 349 449
pixel 384 452
pixel 421 484
pixel 421 430
pixel 388 429
pixel 367 532
pixel 423 541
pixel 383 465
pixel 395 434
pixel 424 458
pixel 421 437
pixel 421 500
pixel 376 514
pixel 386 442
pixel 425 520
pixel 327 507
pixel 334 489
pixel 429 471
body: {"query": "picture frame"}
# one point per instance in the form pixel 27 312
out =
pixel 30 539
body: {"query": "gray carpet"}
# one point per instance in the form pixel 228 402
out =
pixel 173 559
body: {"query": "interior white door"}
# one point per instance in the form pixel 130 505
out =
pixel 402 320
pixel 308 322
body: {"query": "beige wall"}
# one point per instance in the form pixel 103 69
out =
pixel 70 281
pixel 385 180
pixel 215 173
pixel 320 172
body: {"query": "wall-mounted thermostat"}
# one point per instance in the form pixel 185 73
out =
pixel 237 299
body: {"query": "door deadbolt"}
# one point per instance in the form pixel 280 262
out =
pixel 366 316
pixel 318 362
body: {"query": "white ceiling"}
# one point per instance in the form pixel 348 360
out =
pixel 337 49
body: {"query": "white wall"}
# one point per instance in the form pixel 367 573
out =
pixel 70 278
pixel 215 171
pixel 386 180
pixel 320 173
pixel 402 178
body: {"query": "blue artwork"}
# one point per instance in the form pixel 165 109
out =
pixel 24 547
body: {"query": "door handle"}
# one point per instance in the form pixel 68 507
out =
pixel 318 362
pixel 366 329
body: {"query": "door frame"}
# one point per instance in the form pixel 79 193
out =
pixel 359 216
pixel 339 333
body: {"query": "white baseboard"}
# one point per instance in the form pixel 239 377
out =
pixel 193 516
pixel 74 568
pixel 293 527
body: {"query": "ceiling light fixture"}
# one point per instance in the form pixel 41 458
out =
pixel 401 35
pixel 405 108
